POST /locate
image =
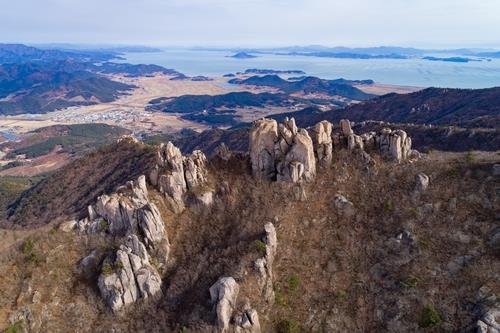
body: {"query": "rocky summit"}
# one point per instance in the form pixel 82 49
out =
pixel 316 229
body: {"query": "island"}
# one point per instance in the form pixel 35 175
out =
pixel 451 59
pixel 242 55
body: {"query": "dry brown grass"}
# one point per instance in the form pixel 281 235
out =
pixel 325 279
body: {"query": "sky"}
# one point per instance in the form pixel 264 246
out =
pixel 253 23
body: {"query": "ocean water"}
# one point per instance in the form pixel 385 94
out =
pixel 410 72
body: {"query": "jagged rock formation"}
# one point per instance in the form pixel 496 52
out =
pixel 223 152
pixel 355 142
pixel 174 175
pixel 223 295
pixel 263 136
pixel 283 151
pixel 396 144
pixel 129 276
pixel 323 143
pixel 124 212
pixel 168 175
pixel 345 128
pixel 264 266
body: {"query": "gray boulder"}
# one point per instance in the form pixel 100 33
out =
pixel 343 206
pixel 223 295
pixel 247 322
pixel 421 182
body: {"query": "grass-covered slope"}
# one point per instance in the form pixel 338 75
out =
pixel 396 264
pixel 72 188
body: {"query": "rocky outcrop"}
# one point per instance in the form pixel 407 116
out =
pixel 124 212
pixel 195 169
pixel 344 207
pixel 323 143
pixel 283 151
pixel 355 142
pixel 174 175
pixel 263 136
pixel 421 182
pixel 264 266
pixel 168 175
pixel 247 322
pixel 489 321
pixel 395 144
pixel 299 162
pixel 345 128
pixel 128 276
pixel 223 152
pixel 223 295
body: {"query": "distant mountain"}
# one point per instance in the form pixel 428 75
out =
pixel 243 55
pixel 489 54
pixel 131 70
pixel 19 53
pixel 467 108
pixel 37 88
pixel 310 85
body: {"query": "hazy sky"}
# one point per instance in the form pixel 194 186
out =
pixel 422 23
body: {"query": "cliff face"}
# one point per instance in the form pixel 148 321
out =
pixel 323 230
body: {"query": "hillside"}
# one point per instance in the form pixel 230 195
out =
pixel 425 138
pixel 397 247
pixel 71 189
pixel 219 110
pixel 73 139
pixel 436 106
pixel 36 88
pixel 309 85
pixel 199 103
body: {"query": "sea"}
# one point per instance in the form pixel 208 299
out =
pixel 407 72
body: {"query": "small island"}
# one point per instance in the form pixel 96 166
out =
pixel 272 71
pixel 451 59
pixel 242 55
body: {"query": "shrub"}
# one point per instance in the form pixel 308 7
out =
pixel 29 251
pixel 430 317
pixel 287 326
pixel 14 328
pixel 280 298
pixel 118 265
pixel 388 206
pixel 469 158
pixel 103 225
pixel 410 282
pixel 293 282
pixel 107 269
pixel 261 246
